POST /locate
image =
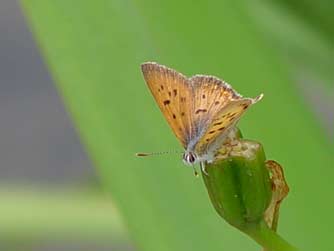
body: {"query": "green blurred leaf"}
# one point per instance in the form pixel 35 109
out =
pixel 306 49
pixel 318 14
pixel 28 214
pixel 94 49
pixel 307 54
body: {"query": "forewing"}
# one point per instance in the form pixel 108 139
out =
pixel 223 120
pixel 173 94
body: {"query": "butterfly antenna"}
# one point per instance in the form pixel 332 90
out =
pixel 165 152
pixel 156 153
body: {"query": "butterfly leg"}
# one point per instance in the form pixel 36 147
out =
pixel 195 171
pixel 202 165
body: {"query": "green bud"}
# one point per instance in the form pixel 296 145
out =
pixel 238 183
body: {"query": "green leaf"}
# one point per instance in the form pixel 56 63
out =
pixel 94 49
pixel 28 214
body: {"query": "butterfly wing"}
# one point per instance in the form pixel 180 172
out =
pixel 210 95
pixel 200 110
pixel 222 121
pixel 173 94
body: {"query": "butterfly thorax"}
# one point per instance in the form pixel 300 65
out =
pixel 191 156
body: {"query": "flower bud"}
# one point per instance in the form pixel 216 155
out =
pixel 238 182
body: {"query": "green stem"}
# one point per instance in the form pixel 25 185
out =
pixel 268 239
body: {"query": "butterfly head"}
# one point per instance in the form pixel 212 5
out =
pixel 190 158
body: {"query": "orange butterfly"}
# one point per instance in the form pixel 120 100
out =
pixel 201 110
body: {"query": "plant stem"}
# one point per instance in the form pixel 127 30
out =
pixel 268 239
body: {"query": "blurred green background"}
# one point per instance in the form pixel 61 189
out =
pixel 50 196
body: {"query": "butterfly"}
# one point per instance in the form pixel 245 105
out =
pixel 201 110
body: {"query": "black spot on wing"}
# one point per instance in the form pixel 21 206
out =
pixel 222 128
pixel 201 110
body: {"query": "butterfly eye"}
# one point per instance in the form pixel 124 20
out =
pixel 191 158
